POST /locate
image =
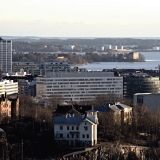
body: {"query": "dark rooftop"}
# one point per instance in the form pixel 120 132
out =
pixel 63 109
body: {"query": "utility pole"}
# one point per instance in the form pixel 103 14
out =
pixel 22 149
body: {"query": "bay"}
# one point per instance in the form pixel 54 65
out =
pixel 151 63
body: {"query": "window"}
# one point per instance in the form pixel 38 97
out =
pixel 67 127
pixel 67 135
pixel 72 127
pixel 85 128
pixel 77 135
pixel 87 135
pixel 61 135
pixel 77 128
pixel 61 127
pixel 72 135
pixel 83 135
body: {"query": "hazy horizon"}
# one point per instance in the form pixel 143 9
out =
pixel 37 37
pixel 80 18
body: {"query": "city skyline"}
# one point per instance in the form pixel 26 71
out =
pixel 80 18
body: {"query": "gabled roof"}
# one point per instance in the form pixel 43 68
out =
pixel 70 120
pixel 72 111
pixel 88 120
pixel 63 109
pixel 67 120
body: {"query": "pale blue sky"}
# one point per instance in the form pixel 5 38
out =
pixel 80 18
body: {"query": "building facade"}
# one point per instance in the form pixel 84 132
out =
pixel 25 66
pixel 40 69
pixel 119 113
pixel 5 55
pixel 8 87
pixel 79 86
pixel 26 82
pixel 140 84
pixel 5 107
pixel 151 100
pixel 76 130
pixel 9 106
pixel 133 55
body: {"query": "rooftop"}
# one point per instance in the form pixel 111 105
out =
pixel 79 74
pixel 112 107
pixel 147 94
pixel 68 120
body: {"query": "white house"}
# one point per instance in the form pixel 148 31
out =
pixel 76 130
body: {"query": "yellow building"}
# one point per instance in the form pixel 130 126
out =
pixel 133 55
pixel 118 112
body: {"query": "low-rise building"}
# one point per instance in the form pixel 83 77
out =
pixel 118 112
pixel 133 55
pixel 75 129
pixel 151 100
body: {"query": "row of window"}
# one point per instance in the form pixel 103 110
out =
pixel 79 79
pixel 70 128
pixel 73 135
pixel 73 128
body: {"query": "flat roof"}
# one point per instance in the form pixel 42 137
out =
pixel 147 93
pixel 78 74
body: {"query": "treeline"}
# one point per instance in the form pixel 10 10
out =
pixel 24 44
pixel 74 58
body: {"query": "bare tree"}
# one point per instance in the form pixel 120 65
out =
pixel 26 106
pixel 103 99
pixel 54 100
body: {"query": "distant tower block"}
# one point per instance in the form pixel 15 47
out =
pixel 5 55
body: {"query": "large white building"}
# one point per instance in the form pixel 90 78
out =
pixel 5 55
pixel 79 86
pixel 8 87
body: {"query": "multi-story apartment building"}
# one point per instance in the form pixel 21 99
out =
pixel 8 87
pixel 40 69
pixel 79 86
pixel 18 66
pixel 5 55
pixel 55 66
pixel 26 83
